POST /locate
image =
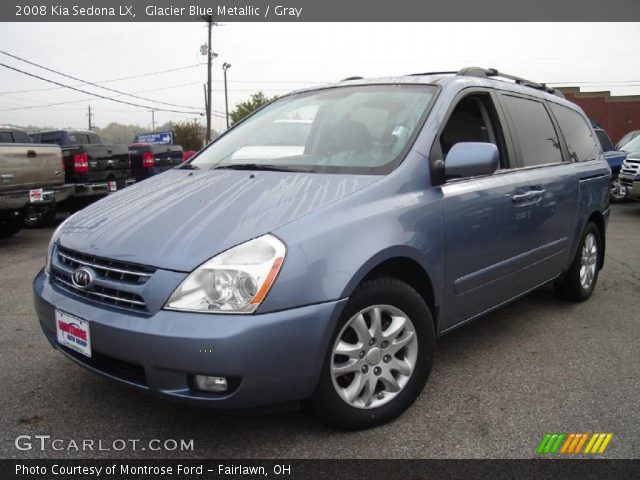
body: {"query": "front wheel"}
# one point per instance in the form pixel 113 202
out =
pixel 580 280
pixel 379 357
pixel 616 194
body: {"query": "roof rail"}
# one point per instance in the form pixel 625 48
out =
pixel 432 73
pixel 492 72
pixel 351 78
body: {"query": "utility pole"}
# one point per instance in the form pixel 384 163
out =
pixel 153 120
pixel 209 20
pixel 225 67
pixel 89 115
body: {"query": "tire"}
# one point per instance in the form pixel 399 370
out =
pixel 43 217
pixel 408 345
pixel 575 285
pixel 615 196
pixel 9 228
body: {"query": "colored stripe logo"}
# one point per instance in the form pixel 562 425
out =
pixel 574 443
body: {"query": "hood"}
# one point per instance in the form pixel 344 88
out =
pixel 181 218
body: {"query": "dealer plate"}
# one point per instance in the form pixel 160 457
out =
pixel 35 195
pixel 73 332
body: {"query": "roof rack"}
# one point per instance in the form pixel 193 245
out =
pixel 492 72
pixel 351 78
pixel 432 73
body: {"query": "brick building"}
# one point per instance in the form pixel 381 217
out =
pixel 617 115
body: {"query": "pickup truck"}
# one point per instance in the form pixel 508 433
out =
pixel 614 158
pixel 94 168
pixel 630 171
pixel 148 159
pixel 32 180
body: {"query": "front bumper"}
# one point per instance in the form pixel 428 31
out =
pixel 631 185
pixel 270 358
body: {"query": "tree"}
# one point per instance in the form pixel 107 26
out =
pixel 190 134
pixel 245 108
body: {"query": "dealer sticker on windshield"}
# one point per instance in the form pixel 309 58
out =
pixel 73 332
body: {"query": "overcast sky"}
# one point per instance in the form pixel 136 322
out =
pixel 280 57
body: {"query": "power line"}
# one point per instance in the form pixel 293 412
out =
pixel 107 81
pixel 28 107
pixel 91 93
pixel 95 84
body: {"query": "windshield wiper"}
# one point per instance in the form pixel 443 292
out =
pixel 258 166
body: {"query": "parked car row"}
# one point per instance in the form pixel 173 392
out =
pixel 48 171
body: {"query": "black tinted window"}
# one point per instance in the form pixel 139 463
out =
pixel 5 137
pixel 580 142
pixel 48 138
pixel 21 137
pixel 533 131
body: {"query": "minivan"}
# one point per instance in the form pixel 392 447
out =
pixel 326 273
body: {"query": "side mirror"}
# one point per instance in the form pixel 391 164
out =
pixel 470 159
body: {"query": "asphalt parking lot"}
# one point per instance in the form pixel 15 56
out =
pixel 498 385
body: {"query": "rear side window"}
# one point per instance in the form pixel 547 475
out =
pixel 581 144
pixel 5 137
pixel 532 128
pixel 21 137
pixel 49 138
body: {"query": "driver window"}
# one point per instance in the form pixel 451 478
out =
pixel 474 119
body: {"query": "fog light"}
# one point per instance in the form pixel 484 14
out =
pixel 210 384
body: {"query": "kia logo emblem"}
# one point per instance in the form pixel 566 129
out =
pixel 83 277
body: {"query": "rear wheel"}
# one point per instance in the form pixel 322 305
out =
pixel 379 357
pixel 41 216
pixel 580 280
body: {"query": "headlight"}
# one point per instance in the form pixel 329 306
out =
pixel 236 281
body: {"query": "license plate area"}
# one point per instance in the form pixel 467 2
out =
pixel 73 332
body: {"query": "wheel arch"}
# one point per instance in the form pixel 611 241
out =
pixel 404 266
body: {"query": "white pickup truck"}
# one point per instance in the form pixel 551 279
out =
pixel 31 180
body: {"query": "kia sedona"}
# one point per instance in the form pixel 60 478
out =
pixel 323 269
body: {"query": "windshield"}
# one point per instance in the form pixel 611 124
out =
pixel 357 129
pixel 633 146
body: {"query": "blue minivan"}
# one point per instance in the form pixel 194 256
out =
pixel 325 268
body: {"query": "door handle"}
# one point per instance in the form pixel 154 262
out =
pixel 31 153
pixel 521 197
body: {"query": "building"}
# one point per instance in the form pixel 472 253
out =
pixel 616 114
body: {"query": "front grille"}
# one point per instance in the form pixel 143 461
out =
pixel 120 273
pixel 111 366
pixel 630 167
pixel 108 296
pixel 108 269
